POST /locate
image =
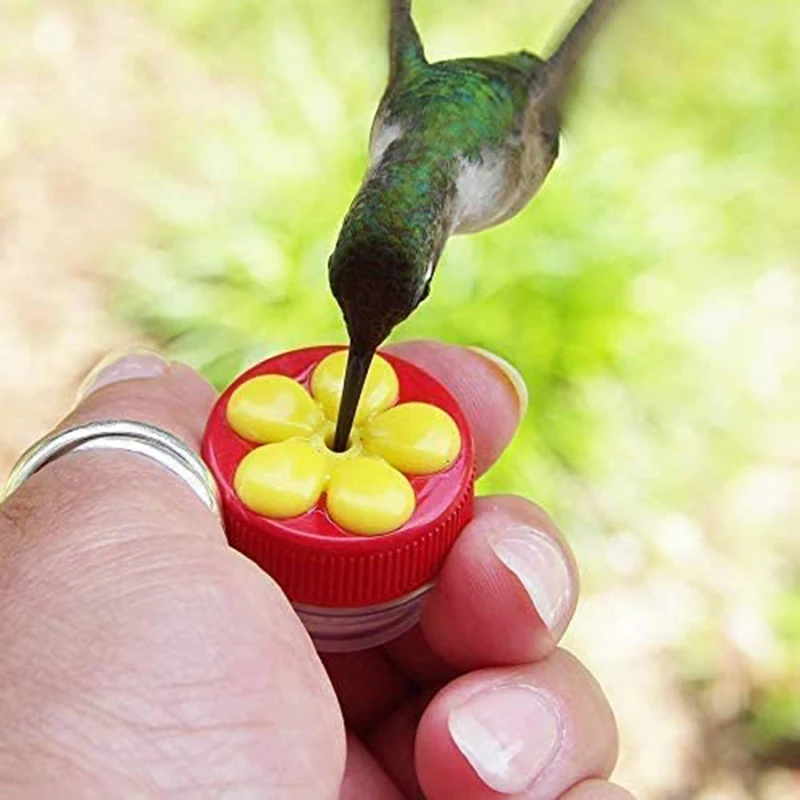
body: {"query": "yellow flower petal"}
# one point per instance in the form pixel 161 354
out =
pixel 368 497
pixel 281 480
pixel 380 390
pixel 416 438
pixel 272 408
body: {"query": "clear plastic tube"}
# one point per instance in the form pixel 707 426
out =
pixel 346 630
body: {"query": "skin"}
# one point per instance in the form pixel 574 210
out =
pixel 141 657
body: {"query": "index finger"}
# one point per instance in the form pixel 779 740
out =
pixel 116 486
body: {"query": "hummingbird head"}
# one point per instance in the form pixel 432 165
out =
pixel 378 274
pixel 378 281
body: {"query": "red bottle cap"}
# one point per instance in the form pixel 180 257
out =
pixel 314 560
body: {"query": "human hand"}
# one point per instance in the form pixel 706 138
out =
pixel 142 657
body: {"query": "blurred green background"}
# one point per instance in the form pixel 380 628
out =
pixel 175 171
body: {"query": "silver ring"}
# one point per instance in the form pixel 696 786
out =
pixel 132 437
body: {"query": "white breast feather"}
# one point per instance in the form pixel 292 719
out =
pixel 481 193
pixel 383 136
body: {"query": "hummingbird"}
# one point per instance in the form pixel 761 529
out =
pixel 456 147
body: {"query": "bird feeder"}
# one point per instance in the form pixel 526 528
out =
pixel 354 538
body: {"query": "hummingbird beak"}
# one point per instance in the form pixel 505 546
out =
pixel 358 362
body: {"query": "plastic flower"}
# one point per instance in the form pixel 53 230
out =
pixel 366 489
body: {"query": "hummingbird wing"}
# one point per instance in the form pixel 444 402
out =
pixel 567 55
pixel 548 84
pixel 405 46
pixel 406 55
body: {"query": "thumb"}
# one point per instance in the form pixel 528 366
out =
pixel 146 656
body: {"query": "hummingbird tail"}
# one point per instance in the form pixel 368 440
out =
pixel 566 57
pixel 405 46
pixel 355 375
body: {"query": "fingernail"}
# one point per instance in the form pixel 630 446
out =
pixel 508 734
pixel 541 567
pixel 126 366
pixel 511 374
